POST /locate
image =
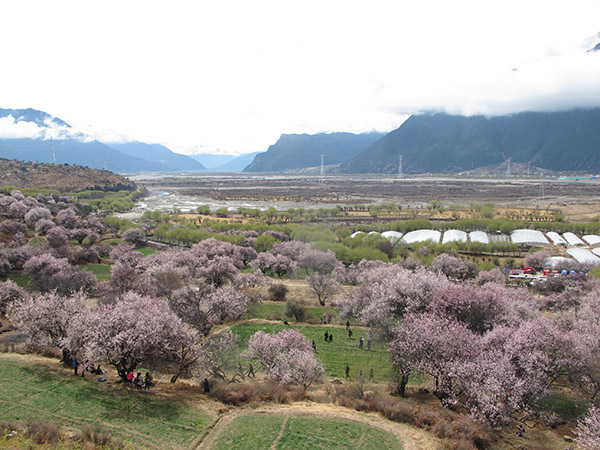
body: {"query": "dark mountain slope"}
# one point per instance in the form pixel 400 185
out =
pixel 159 154
pixel 298 151
pixel 446 143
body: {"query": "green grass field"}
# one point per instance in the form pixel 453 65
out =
pixel 34 388
pixel 101 271
pixel 276 311
pixel 266 431
pixel 337 354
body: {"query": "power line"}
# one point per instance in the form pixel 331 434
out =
pixel 400 170
pixel 322 180
pixel 52 155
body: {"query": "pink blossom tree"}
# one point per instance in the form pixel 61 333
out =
pixel 45 319
pixel 323 286
pixel 136 330
pixel 49 273
pixel 454 267
pixel 43 225
pixel 216 354
pixel 291 249
pixel 57 237
pixel 67 218
pixel 134 236
pixel 436 346
pixel 490 276
pixel 537 260
pixel 318 261
pixel 588 430
pixel 204 308
pixel 36 214
pixel 479 308
pixel 275 264
pixel 287 357
pixel 388 292
pixel 10 293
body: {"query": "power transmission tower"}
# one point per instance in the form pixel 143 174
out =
pixel 322 180
pixel 52 155
pixel 105 163
pixel 508 167
pixel 400 170
pixel 528 167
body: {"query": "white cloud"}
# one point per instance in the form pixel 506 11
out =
pixel 10 129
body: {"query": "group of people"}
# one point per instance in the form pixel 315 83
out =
pixel 139 381
pixel 87 366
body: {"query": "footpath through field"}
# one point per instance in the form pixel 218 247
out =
pixel 411 438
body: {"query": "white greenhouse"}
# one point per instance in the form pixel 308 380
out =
pixel 583 255
pixel 422 236
pixel 591 239
pixel 454 236
pixel 528 237
pixel 392 236
pixel 572 238
pixel 556 238
pixel 479 236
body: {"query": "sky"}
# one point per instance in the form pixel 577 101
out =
pixel 231 76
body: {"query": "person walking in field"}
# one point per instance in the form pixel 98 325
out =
pixel 326 336
pixel 349 333
pixel 75 366
pixel 347 371
pixel 361 341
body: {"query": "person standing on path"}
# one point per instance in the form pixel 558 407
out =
pixel 75 365
pixel 206 385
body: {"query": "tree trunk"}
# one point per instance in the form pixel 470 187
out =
pixel 67 359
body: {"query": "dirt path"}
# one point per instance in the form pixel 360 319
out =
pixel 412 438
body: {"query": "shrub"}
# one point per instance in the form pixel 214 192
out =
pixel 42 432
pixel 296 309
pixel 277 292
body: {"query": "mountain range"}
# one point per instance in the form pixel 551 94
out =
pixel 443 143
pixel 298 151
pixel 31 135
pixel 426 143
pixel 225 163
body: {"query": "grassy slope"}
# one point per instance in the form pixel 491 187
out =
pixel 261 431
pixel 36 388
pixel 337 354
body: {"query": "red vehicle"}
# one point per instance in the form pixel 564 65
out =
pixel 528 270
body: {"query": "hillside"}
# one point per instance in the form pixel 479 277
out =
pixel 237 164
pixel 442 143
pixel 299 151
pixel 159 154
pixel 62 177
pixel 27 136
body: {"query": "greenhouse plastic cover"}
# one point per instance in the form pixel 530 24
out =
pixel 572 238
pixel 596 251
pixel 479 236
pixel 592 239
pixel 422 236
pixel 392 236
pixel 454 236
pixel 524 236
pixel 556 238
pixel 583 256
pixel 356 233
